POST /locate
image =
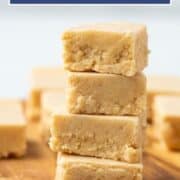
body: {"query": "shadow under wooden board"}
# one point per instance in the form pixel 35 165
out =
pixel 39 163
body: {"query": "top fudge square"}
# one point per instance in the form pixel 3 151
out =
pixel 116 48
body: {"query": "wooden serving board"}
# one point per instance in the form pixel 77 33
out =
pixel 39 162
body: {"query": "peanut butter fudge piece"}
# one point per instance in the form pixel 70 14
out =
pixel 48 78
pixel 116 48
pixel 51 102
pixel 109 137
pixel 33 105
pixel 86 168
pixel 12 129
pixel 161 85
pixel 110 94
pixel 167 120
pixel 43 78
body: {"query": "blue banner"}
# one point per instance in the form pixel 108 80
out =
pixel 89 1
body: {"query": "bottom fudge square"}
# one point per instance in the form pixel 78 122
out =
pixel 71 167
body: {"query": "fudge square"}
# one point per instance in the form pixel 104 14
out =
pixel 109 94
pixel 116 48
pixel 12 129
pixel 51 102
pixel 71 167
pixel 109 137
pixel 161 85
pixel 43 78
pixel 167 120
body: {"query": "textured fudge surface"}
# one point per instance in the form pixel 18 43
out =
pixel 85 168
pixel 118 48
pixel 43 78
pixel 97 93
pixel 161 85
pixel 12 129
pixel 51 102
pixel 109 137
pixel 167 120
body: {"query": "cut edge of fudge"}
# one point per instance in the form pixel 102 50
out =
pixel 88 93
pixel 119 49
pixel 68 137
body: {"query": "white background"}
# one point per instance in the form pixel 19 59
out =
pixel 30 36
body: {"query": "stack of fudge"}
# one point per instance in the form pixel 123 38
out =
pixel 100 133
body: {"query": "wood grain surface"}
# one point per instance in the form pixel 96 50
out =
pixel 39 162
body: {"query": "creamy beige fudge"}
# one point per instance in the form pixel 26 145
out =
pixel 167 120
pixel 33 105
pixel 109 137
pixel 12 129
pixel 71 167
pixel 43 78
pixel 109 94
pixel 51 102
pixel 116 48
pixel 161 85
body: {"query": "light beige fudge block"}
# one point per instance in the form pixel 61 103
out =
pixel 12 129
pixel 51 102
pixel 109 137
pixel 160 85
pixel 33 105
pixel 43 78
pixel 116 48
pixel 167 120
pixel 86 168
pixel 109 94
